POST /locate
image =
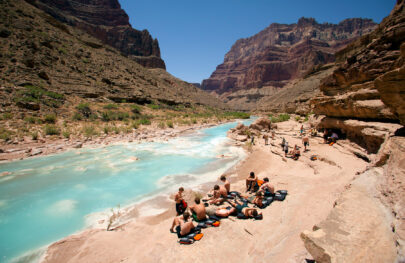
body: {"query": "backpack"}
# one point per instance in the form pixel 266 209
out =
pixel 186 241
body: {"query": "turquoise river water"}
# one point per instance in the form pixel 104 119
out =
pixel 47 198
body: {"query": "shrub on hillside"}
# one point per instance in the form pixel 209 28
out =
pixel 51 130
pixel 50 118
pixel 84 109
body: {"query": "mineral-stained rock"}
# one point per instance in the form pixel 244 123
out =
pixel 105 20
pixel 279 54
pixel 358 229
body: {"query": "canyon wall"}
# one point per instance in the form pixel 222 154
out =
pixel 106 21
pixel 259 66
pixel 364 100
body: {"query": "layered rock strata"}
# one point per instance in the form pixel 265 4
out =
pixel 106 21
pixel 364 99
pixel 369 82
pixel 279 54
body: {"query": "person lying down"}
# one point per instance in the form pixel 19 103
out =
pixel 240 209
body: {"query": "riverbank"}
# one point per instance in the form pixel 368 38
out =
pixel 46 146
pixel 313 187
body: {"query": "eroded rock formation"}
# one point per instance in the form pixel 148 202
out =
pixel 370 82
pixel 106 21
pixel 364 99
pixel 258 66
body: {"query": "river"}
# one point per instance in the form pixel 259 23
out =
pixel 46 198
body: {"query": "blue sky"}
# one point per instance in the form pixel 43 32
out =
pixel 195 35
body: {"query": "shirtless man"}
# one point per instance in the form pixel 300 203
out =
pixel 266 188
pixel 251 182
pixel 244 209
pixel 258 200
pixel 223 212
pixel 198 210
pixel 178 198
pixel 182 224
pixel 305 141
pixel 227 184
pixel 219 195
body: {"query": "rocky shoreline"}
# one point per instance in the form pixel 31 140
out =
pixel 14 150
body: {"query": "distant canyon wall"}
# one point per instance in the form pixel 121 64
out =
pixel 260 65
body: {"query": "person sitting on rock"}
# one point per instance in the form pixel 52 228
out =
pixel 267 189
pixel 251 182
pixel 182 224
pixel 305 141
pixel 302 130
pixel 227 184
pixel 198 210
pixel 325 135
pixel 295 154
pixel 218 196
pixel 258 200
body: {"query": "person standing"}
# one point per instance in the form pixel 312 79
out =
pixel 285 149
pixel 178 198
pixel 305 141
pixel 266 139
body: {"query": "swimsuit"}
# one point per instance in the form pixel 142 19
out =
pixel 239 208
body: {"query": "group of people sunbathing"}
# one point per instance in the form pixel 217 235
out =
pixel 187 219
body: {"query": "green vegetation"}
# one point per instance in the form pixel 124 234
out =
pixel 7 116
pixel 77 116
pixel 32 120
pixel 297 118
pixel 84 109
pixel 280 118
pixel 89 131
pixel 66 134
pixel 153 106
pixel 34 135
pixel 136 109
pixel 170 124
pixel 144 121
pixel 34 94
pixel 237 115
pixel 111 106
pixel 162 125
pixel 5 134
pixel 50 118
pixel 114 116
pixel 51 130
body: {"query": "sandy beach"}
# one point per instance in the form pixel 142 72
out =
pixel 313 187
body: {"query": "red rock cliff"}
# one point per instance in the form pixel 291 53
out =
pixel 281 53
pixel 105 20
